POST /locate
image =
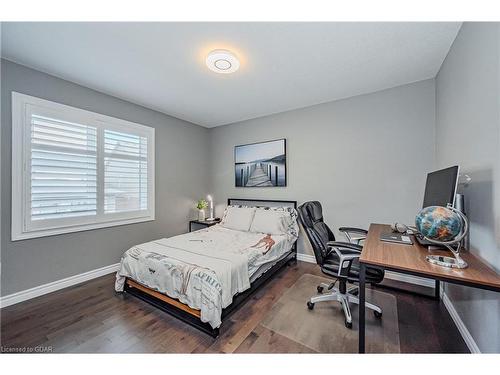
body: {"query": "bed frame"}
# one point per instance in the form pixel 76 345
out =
pixel 191 316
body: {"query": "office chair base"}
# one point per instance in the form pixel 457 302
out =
pixel 344 299
pixel 322 287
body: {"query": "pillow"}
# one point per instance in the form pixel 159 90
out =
pixel 270 221
pixel 238 218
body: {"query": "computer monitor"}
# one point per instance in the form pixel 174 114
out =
pixel 441 187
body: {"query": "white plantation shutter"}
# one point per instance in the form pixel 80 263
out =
pixel 76 170
pixel 125 172
pixel 63 169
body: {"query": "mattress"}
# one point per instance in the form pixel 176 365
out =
pixel 203 269
pixel 266 267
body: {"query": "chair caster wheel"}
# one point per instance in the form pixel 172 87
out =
pixel 377 314
pixel 348 324
pixel 320 289
pixel 310 305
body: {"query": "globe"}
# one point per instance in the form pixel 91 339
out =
pixel 439 223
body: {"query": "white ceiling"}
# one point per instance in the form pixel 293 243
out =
pixel 283 65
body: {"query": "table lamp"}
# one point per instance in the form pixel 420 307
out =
pixel 211 207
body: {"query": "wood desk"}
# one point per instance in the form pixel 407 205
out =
pixel 410 259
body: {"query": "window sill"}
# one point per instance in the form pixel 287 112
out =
pixel 78 228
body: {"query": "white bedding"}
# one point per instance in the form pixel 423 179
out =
pixel 203 269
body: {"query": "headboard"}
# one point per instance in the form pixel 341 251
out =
pixel 264 203
pixel 261 202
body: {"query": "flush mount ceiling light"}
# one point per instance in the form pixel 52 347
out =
pixel 222 61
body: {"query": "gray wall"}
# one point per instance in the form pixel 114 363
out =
pixel 181 178
pixel 468 134
pixel 365 158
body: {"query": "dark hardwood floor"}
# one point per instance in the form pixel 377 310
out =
pixel 91 318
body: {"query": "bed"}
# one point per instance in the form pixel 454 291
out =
pixel 202 276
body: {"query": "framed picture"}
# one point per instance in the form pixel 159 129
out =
pixel 260 164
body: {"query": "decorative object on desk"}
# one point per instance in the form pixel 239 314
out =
pixel 260 164
pixel 201 206
pixel 211 216
pixel 399 228
pixel 445 226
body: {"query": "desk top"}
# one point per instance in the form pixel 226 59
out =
pixel 411 259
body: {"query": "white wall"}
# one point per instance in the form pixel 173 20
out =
pixel 468 134
pixel 365 158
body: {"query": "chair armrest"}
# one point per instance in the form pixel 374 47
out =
pixel 346 252
pixel 353 230
pixel 346 247
pixel 349 231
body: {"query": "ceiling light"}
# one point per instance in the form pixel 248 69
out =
pixel 222 61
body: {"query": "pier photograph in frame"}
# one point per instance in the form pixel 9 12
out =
pixel 260 164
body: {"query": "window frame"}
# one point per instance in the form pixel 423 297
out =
pixel 22 226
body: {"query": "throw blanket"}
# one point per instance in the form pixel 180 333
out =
pixel 202 269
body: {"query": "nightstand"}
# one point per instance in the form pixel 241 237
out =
pixel 203 223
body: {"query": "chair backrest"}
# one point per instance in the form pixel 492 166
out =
pixel 318 233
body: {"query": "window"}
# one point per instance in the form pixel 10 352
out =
pixel 75 170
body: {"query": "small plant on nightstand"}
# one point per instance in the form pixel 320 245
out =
pixel 201 206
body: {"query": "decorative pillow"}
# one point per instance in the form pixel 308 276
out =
pixel 270 221
pixel 238 218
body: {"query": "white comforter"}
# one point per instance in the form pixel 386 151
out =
pixel 202 269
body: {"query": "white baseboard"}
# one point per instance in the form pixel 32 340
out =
pixel 469 340
pixel 409 279
pixel 40 290
pixel 306 258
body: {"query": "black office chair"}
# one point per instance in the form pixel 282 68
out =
pixel 337 259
